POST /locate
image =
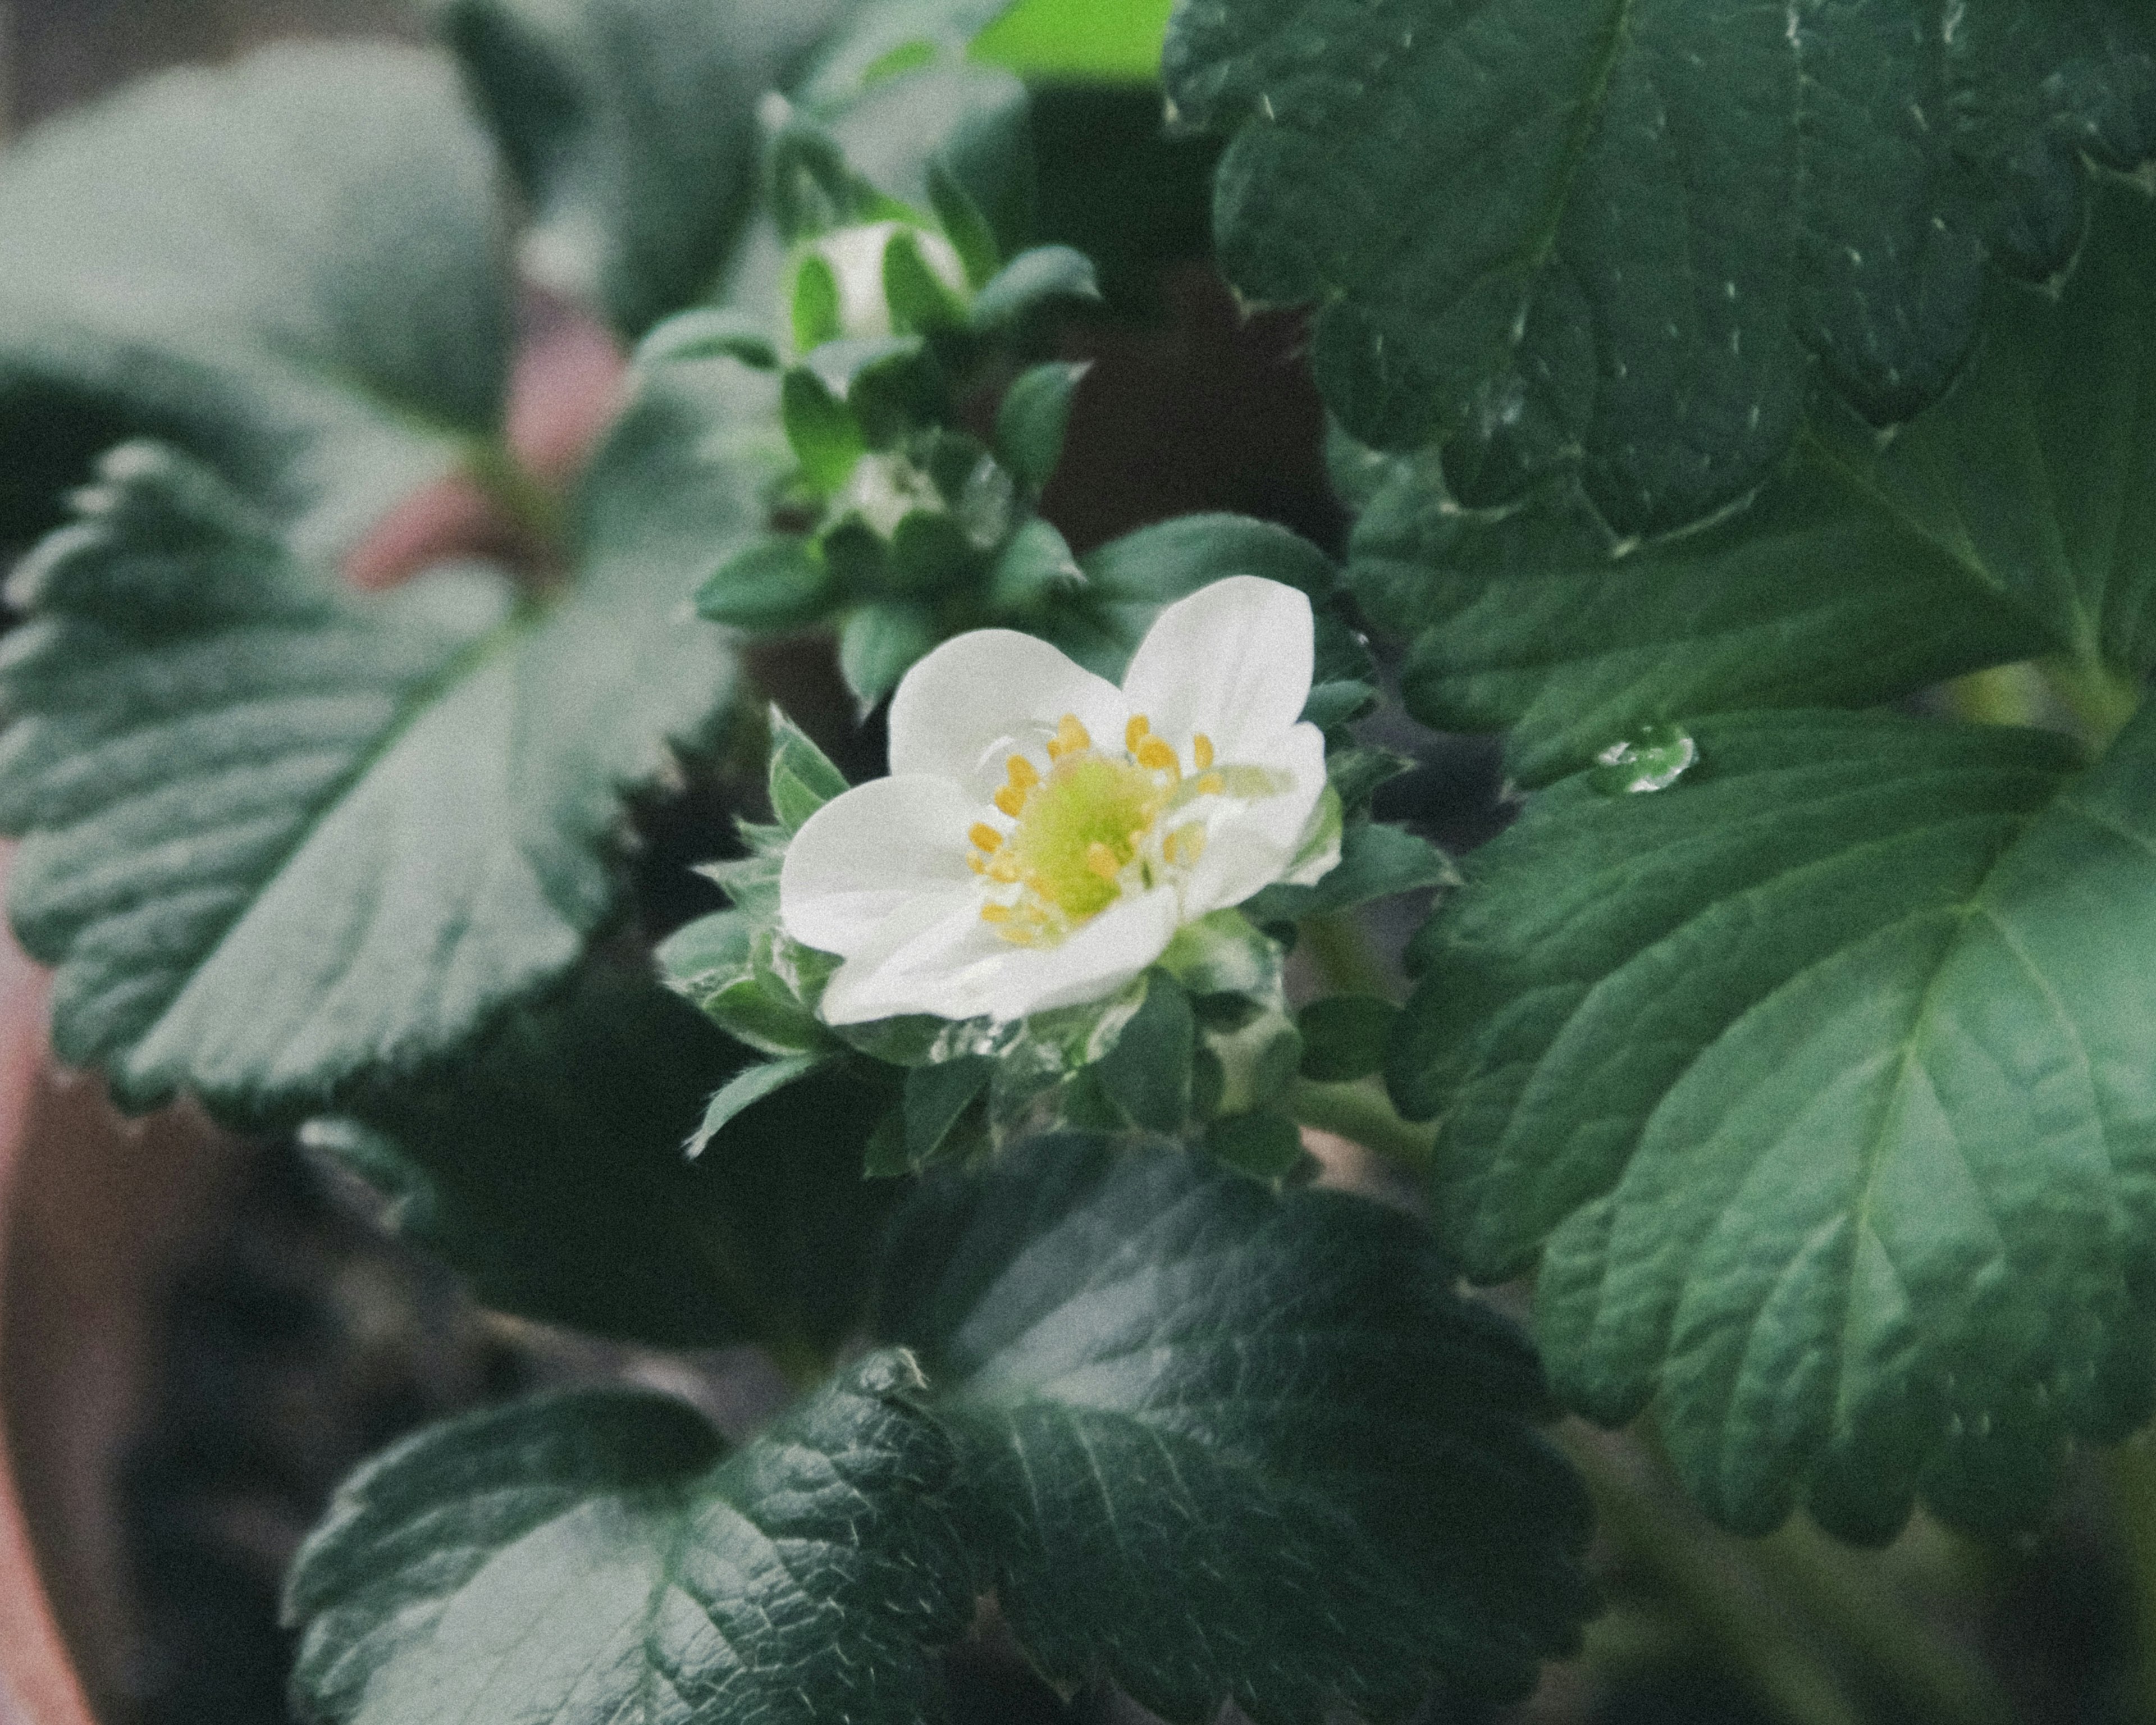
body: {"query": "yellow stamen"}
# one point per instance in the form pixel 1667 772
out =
pixel 1185 845
pixel 997 913
pixel 1070 738
pixel 1023 774
pixel 1212 785
pixel 1201 750
pixel 1002 868
pixel 983 835
pixel 1134 733
pixel 976 864
pixel 1101 860
pixel 1011 800
pixel 1156 756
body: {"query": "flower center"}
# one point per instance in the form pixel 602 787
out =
pixel 1095 824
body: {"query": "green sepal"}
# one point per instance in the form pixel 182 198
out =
pixel 826 438
pixel 920 302
pixel 1356 771
pixel 814 314
pixel 1030 423
pixel 878 644
pixel 777 583
pixel 1146 1074
pixel 747 1088
pixel 709 332
pixel 937 1101
pixel 1332 705
pixel 1035 569
pixel 802 777
pixel 1031 279
pixel 1344 1037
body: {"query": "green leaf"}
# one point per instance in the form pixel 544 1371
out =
pixel 741 972
pixel 277 835
pixel 1031 279
pixel 1817 1080
pixel 1222 1445
pixel 710 332
pixel 291 268
pixel 630 127
pixel 1030 423
pixel 545 1166
pixel 1376 861
pixel 936 1099
pixel 1146 1072
pixel 814 313
pixel 597 1557
pixel 1266 1145
pixel 826 437
pixel 2010 521
pixel 919 299
pixel 878 644
pixel 777 582
pixel 747 1088
pixel 1343 1036
pixel 802 777
pixel 1502 211
pixel 964 226
pixel 1098 41
pixel 1034 569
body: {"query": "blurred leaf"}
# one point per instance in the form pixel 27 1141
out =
pixel 777 582
pixel 576 1557
pixel 1146 1072
pixel 290 268
pixel 1343 1036
pixel 878 644
pixel 710 332
pixel 1030 423
pixel 1109 41
pixel 1221 1445
pixel 1376 861
pixel 826 437
pixel 1032 279
pixel 938 1097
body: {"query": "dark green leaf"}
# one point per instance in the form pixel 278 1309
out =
pixel 776 583
pixel 802 777
pixel 1343 1036
pixel 1561 231
pixel 1034 569
pixel 737 968
pixel 1376 861
pixel 277 835
pixel 930 554
pixel 1030 423
pixel 826 437
pixel 630 126
pixel 2012 520
pixel 747 1088
pixel 1146 1072
pixel 963 225
pixel 545 1167
pixel 936 1098
pixel 1817 1079
pixel 593 1557
pixel 1265 1146
pixel 292 268
pixel 878 644
pixel 920 300
pixel 1222 1445
pixel 1031 279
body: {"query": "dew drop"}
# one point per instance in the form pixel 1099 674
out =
pixel 1652 758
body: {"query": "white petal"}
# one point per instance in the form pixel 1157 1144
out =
pixel 981 697
pixel 1096 961
pixel 920 961
pixel 1232 660
pixel 1250 844
pixel 868 853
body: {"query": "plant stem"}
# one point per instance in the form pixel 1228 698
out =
pixel 1361 1112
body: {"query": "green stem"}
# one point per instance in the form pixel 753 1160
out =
pixel 1361 1111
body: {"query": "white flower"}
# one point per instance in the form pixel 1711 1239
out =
pixel 1043 833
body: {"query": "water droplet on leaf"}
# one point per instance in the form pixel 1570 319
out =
pixel 1652 758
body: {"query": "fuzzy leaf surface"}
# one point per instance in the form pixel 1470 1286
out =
pixel 1624 234
pixel 291 267
pixel 1820 1082
pixel 546 1168
pixel 277 835
pixel 598 1559
pixel 1221 1443
pixel 2014 519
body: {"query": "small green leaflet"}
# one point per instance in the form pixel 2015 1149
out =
pixel 1819 1081
pixel 546 1168
pixel 630 125
pixel 292 268
pixel 277 835
pixel 598 1557
pixel 1627 236
pixel 2012 520
pixel 1218 1443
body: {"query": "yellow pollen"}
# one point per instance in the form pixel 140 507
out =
pixel 1134 733
pixel 974 862
pixel 1011 800
pixel 1023 773
pixel 1156 756
pixel 1212 784
pixel 1201 750
pixel 1101 860
pixel 983 835
pixel 1070 738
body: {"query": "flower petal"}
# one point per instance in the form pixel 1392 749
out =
pixel 1094 961
pixel 1250 844
pixel 919 963
pixel 1233 660
pixel 868 853
pixel 982 696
